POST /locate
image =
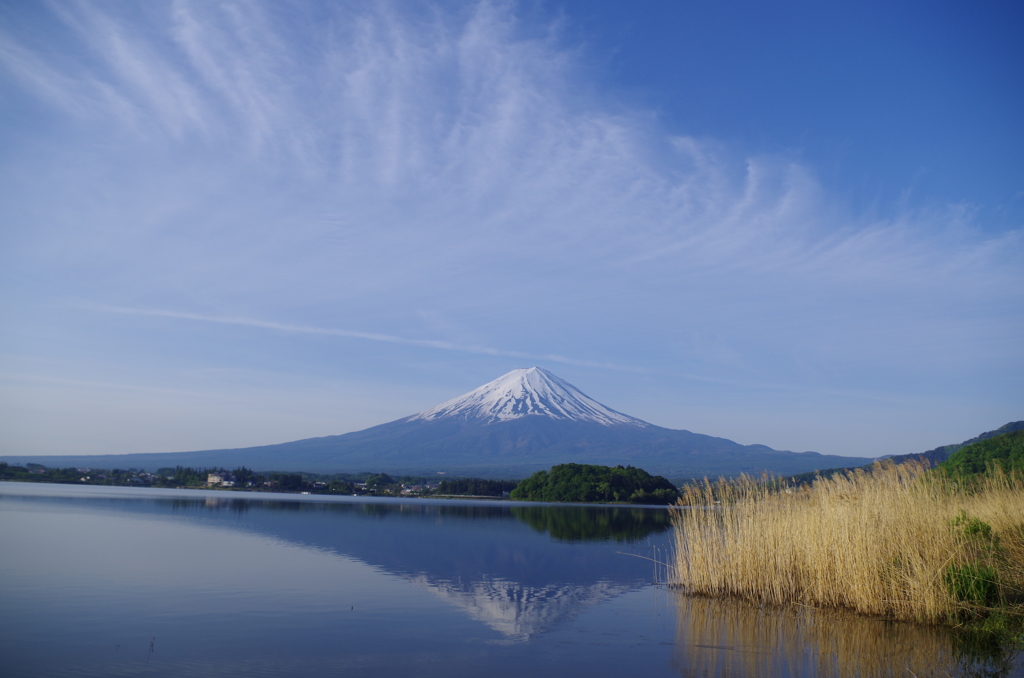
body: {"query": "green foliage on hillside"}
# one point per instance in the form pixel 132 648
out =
pixel 941 454
pixel 590 483
pixel 1006 451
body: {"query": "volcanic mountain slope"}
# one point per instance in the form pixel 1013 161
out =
pixel 522 422
pixel 522 393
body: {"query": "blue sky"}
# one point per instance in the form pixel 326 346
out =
pixel 229 224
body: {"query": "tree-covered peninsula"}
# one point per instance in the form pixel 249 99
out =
pixel 590 483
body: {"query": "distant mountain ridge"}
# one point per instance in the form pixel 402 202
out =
pixel 525 421
pixel 933 457
pixel 941 454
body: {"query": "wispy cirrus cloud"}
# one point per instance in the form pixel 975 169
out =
pixel 344 139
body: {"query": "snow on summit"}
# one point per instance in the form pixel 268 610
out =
pixel 525 392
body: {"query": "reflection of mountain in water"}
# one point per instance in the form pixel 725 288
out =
pixel 519 570
pixel 493 562
pixel 518 611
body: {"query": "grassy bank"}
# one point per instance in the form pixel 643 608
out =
pixel 897 542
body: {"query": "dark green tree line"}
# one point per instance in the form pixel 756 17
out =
pixel 587 483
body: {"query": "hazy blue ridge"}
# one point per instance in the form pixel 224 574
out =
pixel 512 449
pixel 941 454
pixel 507 449
pixel 934 457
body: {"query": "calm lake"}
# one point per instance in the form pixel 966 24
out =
pixel 146 582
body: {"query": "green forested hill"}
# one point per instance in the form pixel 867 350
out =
pixel 933 457
pixel 590 483
pixel 1006 450
pixel 941 454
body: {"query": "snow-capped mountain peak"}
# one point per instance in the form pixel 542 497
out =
pixel 526 392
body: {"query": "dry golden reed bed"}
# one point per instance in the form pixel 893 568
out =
pixel 895 542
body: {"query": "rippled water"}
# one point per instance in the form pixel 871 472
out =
pixel 116 581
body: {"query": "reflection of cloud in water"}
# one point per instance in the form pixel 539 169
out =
pixel 741 640
pixel 518 611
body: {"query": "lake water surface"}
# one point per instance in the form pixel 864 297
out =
pixel 99 581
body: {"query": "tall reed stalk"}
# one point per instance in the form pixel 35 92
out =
pixel 895 542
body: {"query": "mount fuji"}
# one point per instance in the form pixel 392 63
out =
pixel 523 393
pixel 525 421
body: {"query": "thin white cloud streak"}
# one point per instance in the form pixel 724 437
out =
pixel 448 346
pixel 352 334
